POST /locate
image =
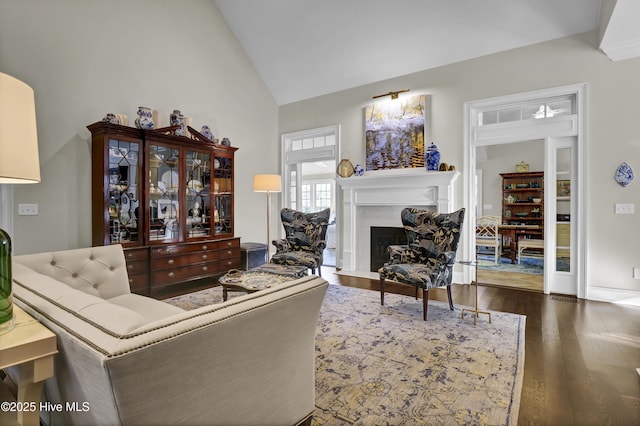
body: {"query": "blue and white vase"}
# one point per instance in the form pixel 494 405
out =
pixel 432 157
pixel 359 171
pixel 206 132
pixel 176 118
pixel 111 118
pixel 144 120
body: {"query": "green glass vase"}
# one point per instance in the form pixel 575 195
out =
pixel 6 294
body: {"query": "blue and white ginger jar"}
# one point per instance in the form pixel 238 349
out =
pixel 432 157
pixel 359 171
pixel 206 132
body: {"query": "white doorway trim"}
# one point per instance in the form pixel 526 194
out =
pixel 315 147
pixel 560 126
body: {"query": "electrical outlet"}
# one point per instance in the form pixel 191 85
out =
pixel 636 273
pixel 625 208
pixel 487 206
pixel 27 209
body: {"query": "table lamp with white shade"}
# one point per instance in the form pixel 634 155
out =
pixel 268 184
pixel 19 163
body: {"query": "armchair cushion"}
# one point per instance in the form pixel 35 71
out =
pixel 420 275
pixel 303 258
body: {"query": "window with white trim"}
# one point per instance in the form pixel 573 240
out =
pixel 564 105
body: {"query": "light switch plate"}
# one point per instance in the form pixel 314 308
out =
pixel 27 209
pixel 625 208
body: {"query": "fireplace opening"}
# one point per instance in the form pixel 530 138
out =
pixel 381 238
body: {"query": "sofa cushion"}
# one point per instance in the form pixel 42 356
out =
pixel 150 309
pixel 99 271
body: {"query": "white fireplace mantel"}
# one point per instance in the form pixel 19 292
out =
pixel 393 189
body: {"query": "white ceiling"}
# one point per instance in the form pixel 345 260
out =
pixel 307 48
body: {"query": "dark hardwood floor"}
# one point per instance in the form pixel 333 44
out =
pixel 580 356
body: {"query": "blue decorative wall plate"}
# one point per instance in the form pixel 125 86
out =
pixel 624 174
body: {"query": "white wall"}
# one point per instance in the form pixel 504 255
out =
pixel 612 130
pixel 87 58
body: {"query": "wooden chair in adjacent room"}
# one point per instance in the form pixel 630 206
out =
pixel 488 235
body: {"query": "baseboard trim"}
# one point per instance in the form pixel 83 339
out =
pixel 614 295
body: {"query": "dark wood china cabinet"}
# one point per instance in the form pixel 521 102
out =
pixel 168 199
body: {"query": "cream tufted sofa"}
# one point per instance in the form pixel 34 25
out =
pixel 138 361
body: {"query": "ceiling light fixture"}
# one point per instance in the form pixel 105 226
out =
pixel 394 95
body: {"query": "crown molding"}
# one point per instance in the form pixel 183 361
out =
pixel 622 50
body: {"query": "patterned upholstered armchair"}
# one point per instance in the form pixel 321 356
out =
pixel 427 260
pixel 304 241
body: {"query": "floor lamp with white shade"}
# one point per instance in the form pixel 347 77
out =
pixel 268 184
pixel 19 163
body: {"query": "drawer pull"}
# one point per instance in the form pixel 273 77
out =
pixel 129 255
pixel 171 261
pixel 205 268
pixel 129 266
pixel 204 256
pixel 229 252
pixel 229 243
pixel 172 274
pixel 204 247
pixel 230 263
pixel 130 280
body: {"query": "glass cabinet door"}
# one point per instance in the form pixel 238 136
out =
pixel 164 199
pixel 223 195
pixel 124 191
pixel 198 197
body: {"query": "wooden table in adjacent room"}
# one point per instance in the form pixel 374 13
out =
pixel 514 232
pixel 30 347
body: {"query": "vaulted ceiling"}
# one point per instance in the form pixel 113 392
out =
pixel 307 48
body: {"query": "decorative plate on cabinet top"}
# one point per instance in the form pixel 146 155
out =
pixel 624 174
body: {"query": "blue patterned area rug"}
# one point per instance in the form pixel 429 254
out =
pixel 384 365
pixel 527 266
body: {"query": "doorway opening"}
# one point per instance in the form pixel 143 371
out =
pixel 521 207
pixel 557 116
pixel 309 161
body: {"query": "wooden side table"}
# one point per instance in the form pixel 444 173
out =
pixel 30 347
